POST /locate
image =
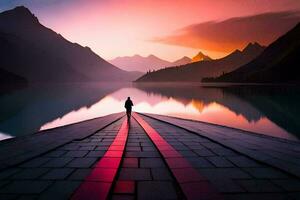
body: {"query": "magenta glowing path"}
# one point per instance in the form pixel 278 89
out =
pixel 193 185
pixel 98 183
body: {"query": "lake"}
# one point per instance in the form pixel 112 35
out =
pixel 269 110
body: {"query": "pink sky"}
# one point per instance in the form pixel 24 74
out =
pixel 126 27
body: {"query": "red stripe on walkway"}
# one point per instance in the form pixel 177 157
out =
pixel 193 185
pixel 98 183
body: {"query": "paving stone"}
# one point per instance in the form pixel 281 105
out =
pixel 188 154
pixel 199 162
pixel 147 144
pixel 149 148
pixel 8 172
pixel 186 175
pixel 89 148
pixel 60 190
pixel 56 153
pixel 224 185
pixel 25 187
pixel 58 162
pixel 220 161
pixel 79 174
pixel 224 152
pixel 133 148
pixel 291 185
pixel 224 173
pixel 155 190
pixel 101 148
pixel 102 175
pixel 70 148
pixel 124 187
pixel 58 174
pixel 196 147
pixel 204 152
pixel 161 174
pixel 8 196
pixel 242 161
pixel 95 154
pixel 37 162
pixel 259 186
pixel 133 144
pixel 135 174
pixel 179 147
pixel 145 154
pixel 212 145
pixel 130 162
pixel 77 154
pixel 108 143
pixel 30 173
pixel 265 173
pixel 152 163
pixel 82 162
pixel 176 144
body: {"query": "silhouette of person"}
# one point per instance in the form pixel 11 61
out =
pixel 128 106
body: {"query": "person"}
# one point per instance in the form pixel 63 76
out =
pixel 128 106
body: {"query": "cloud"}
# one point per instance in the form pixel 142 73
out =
pixel 233 33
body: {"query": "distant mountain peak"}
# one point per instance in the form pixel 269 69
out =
pixel 236 51
pixel 200 57
pixel 22 9
pixel 20 13
pixel 134 56
pixel 151 56
pixel 182 61
pixel 253 46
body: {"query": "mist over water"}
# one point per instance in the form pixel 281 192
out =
pixel 267 110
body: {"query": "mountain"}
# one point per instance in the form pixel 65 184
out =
pixel 140 63
pixel 277 64
pixel 30 50
pixel 200 57
pixel 144 64
pixel 194 72
pixel 182 61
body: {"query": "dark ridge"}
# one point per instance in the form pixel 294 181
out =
pixel 278 63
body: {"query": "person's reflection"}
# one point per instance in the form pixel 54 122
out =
pixel 128 106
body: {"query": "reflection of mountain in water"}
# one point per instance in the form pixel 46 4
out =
pixel 200 96
pixel 25 111
pixel 279 104
pixel 199 105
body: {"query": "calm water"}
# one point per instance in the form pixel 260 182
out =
pixel 268 110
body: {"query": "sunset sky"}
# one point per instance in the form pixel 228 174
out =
pixel 169 29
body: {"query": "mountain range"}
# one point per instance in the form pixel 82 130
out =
pixel 148 63
pixel 152 62
pixel 194 72
pixel 200 57
pixel 279 63
pixel 38 54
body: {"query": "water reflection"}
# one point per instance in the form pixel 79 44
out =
pixel 26 111
pixel 270 110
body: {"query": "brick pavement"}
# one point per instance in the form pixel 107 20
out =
pixel 146 169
